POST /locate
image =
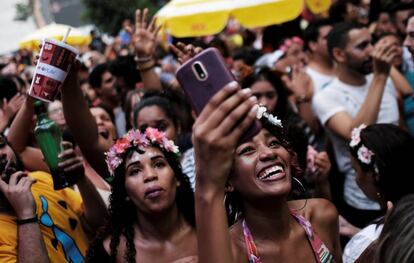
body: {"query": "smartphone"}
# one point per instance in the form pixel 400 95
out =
pixel 202 77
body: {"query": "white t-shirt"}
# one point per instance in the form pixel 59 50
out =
pixel 338 97
pixel 319 80
pixel 358 243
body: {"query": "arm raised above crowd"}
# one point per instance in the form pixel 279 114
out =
pixel 18 137
pixel 95 209
pixel 145 42
pixel 215 140
pixel 82 124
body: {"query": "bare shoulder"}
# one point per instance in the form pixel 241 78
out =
pixel 322 211
pixel 323 216
pixel 316 210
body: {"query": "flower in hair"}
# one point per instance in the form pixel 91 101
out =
pixel 140 140
pixel 262 113
pixel 356 135
pixel 364 154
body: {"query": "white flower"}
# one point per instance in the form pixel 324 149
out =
pixel 356 135
pixel 365 155
pixel 274 120
pixel 260 111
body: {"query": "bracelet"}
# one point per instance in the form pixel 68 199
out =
pixel 302 99
pixel 27 221
pixel 145 67
pixel 143 59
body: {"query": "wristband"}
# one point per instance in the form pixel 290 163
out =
pixel 146 66
pixel 302 99
pixel 27 221
pixel 143 59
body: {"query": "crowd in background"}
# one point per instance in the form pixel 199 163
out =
pixel 342 86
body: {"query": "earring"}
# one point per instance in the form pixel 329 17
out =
pixel 294 179
pixel 127 199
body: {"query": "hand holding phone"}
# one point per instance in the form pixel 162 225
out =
pixel 202 76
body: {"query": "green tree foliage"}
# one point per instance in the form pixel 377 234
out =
pixel 108 15
pixel 23 11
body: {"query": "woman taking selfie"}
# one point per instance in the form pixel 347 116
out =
pixel 151 212
pixel 259 174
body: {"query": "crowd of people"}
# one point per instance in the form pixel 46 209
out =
pixel 325 178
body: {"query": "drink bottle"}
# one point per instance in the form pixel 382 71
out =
pixel 49 138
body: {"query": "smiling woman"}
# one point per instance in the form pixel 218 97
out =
pixel 258 175
pixel 151 204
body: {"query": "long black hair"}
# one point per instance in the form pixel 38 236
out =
pixel 121 220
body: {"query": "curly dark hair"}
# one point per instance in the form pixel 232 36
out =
pixel 233 203
pixel 120 220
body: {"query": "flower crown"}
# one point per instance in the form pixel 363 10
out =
pixel 140 140
pixel 364 154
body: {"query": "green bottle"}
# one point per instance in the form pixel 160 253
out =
pixel 49 138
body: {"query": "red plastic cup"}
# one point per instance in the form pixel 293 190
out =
pixel 55 60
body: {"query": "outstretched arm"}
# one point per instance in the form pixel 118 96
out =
pixel 82 124
pixel 18 137
pixel 214 143
pixel 95 209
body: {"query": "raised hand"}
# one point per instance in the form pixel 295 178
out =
pixel 144 37
pixel 70 163
pixel 185 52
pixel 323 166
pixel 383 54
pixel 299 84
pixel 218 129
pixel 10 108
pixel 18 193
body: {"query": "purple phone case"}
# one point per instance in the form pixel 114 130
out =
pixel 199 91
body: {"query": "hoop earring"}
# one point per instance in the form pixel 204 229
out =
pixel 294 179
pixel 231 209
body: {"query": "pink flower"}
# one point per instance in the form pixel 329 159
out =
pixel 365 155
pixel 135 138
pixel 154 135
pixel 121 145
pixel 169 146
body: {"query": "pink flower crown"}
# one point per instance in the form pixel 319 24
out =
pixel 140 140
pixel 364 154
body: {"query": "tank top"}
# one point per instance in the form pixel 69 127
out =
pixel 320 251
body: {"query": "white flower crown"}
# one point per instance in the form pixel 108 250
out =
pixel 262 113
